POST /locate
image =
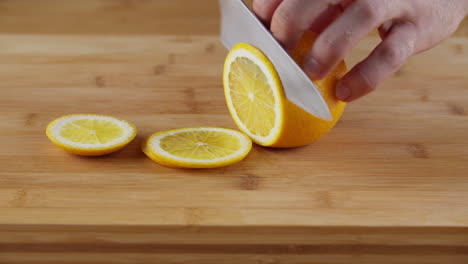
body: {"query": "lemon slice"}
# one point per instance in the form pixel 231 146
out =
pixel 258 105
pixel 253 92
pixel 90 135
pixel 199 147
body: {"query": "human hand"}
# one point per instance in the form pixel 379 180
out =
pixel 406 27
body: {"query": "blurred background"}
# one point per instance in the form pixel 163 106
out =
pixel 115 17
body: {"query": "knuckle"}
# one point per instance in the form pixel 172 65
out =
pixel 284 18
pixel 393 55
pixel 328 49
pixel 370 10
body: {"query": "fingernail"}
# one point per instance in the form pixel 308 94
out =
pixel 342 92
pixel 311 66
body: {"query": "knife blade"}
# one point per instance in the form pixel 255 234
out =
pixel 239 24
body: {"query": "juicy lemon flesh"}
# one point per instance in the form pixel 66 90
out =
pixel 89 134
pixel 252 96
pixel 90 131
pixel 201 145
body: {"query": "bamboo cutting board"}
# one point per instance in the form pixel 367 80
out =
pixel 388 185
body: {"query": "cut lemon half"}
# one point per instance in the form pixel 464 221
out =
pixel 258 105
pixel 200 147
pixel 90 135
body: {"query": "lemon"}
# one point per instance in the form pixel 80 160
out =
pixel 199 147
pixel 258 105
pixel 90 135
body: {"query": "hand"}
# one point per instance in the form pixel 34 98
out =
pixel 406 27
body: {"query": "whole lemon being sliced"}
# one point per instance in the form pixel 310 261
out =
pixel 90 135
pixel 257 103
pixel 200 147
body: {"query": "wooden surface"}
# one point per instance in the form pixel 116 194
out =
pixel 388 185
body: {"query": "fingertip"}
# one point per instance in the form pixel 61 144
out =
pixel 258 7
pixel 356 83
pixel 327 56
pixel 313 68
pixel 343 92
pixel 287 36
pixel 265 9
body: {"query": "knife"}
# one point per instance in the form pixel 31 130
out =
pixel 239 24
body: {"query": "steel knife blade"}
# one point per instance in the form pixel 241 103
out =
pixel 240 24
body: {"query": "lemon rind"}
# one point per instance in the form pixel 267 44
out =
pixel 54 127
pixel 153 150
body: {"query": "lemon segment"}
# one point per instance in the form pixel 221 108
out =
pixel 90 135
pixel 202 147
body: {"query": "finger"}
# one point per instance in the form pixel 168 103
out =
pixel 345 3
pixel 360 18
pixel 265 9
pixel 326 18
pixel 385 28
pixel 293 17
pixel 381 63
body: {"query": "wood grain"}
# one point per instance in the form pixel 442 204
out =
pixel 388 185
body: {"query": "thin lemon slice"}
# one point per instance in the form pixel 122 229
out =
pixel 258 105
pixel 90 135
pixel 198 147
pixel 253 92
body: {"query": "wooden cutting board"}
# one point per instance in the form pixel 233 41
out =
pixel 388 185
